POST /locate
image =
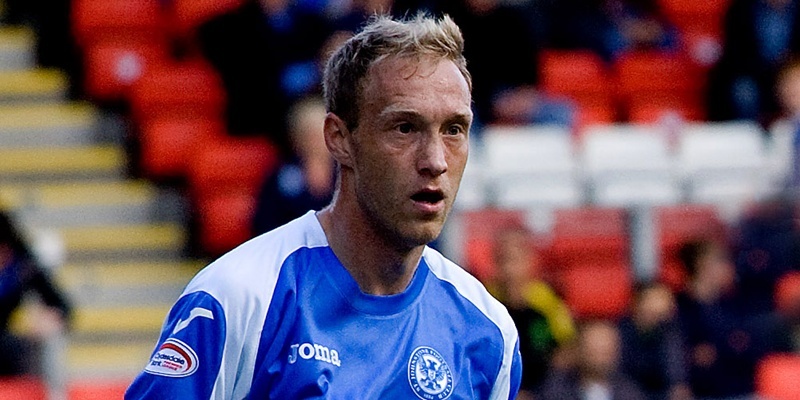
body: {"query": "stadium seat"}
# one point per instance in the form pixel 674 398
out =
pixel 96 389
pixel 93 20
pixel 787 292
pixel 587 235
pixel 187 89
pixel 187 15
pixel 26 387
pixel 629 165
pixel 723 164
pixel 777 377
pixel 780 152
pixel 676 224
pixel 579 74
pixel 658 78
pixel 532 167
pixel 642 111
pixel 597 290
pixel 696 16
pixel 231 165
pixel 168 143
pixel 224 221
pixel 113 65
pixel 478 228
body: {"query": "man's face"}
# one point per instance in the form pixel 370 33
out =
pixel 410 146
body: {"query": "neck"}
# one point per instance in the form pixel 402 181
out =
pixel 379 266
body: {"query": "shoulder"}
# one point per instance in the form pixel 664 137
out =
pixel 252 269
pixel 469 288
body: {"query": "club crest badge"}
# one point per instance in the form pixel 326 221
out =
pixel 429 375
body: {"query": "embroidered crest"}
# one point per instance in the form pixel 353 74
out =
pixel 429 375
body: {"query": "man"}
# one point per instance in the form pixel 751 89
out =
pixel 350 303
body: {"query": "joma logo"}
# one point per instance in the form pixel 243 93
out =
pixel 307 351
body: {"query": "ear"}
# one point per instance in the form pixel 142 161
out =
pixel 337 139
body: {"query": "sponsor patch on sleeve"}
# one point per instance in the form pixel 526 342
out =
pixel 173 358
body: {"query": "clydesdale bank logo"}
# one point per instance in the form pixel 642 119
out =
pixel 173 359
pixel 429 375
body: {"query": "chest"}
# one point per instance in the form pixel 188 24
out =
pixel 346 355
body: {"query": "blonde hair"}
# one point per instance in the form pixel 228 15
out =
pixel 381 38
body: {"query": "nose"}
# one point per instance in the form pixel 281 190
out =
pixel 432 158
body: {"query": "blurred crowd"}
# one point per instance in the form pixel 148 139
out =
pixel 739 302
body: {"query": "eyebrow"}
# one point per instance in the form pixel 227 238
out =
pixel 393 112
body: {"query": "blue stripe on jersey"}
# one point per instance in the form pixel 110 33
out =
pixel 186 361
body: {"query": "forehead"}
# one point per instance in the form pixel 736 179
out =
pixel 431 84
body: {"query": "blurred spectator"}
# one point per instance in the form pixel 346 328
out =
pixel 612 27
pixel 788 91
pixel 503 58
pixel 596 375
pixel 766 247
pixel 638 25
pixel 20 275
pixel 652 345
pixel 267 54
pixel 759 35
pixel 303 183
pixel 717 333
pixel 542 319
pixel 780 329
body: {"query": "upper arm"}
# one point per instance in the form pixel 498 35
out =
pixel 188 357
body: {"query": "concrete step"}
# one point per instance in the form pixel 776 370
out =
pixel 79 203
pixel 16 48
pixel 139 242
pixel 48 124
pixel 119 321
pixel 124 360
pixel 126 283
pixel 54 163
pixel 32 85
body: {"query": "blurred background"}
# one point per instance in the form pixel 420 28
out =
pixel 631 193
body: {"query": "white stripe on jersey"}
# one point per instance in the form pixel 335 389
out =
pixel 471 289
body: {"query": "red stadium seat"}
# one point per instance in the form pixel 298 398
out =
pixel 97 389
pixel 642 111
pixel 787 293
pixel 479 228
pixel 696 16
pixel 231 165
pixel 187 15
pixel 186 89
pixel 168 143
pixel 224 221
pixel 658 78
pixel 597 290
pixel 113 65
pixel 583 236
pixel 777 377
pixel 592 114
pixel 97 19
pixel 27 387
pixel 677 224
pixel 579 75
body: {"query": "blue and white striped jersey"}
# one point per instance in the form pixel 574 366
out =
pixel 281 318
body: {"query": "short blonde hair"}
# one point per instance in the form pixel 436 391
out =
pixel 384 37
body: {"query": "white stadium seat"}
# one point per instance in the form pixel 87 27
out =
pixel 531 167
pixel 629 165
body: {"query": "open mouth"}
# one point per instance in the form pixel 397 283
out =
pixel 428 196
